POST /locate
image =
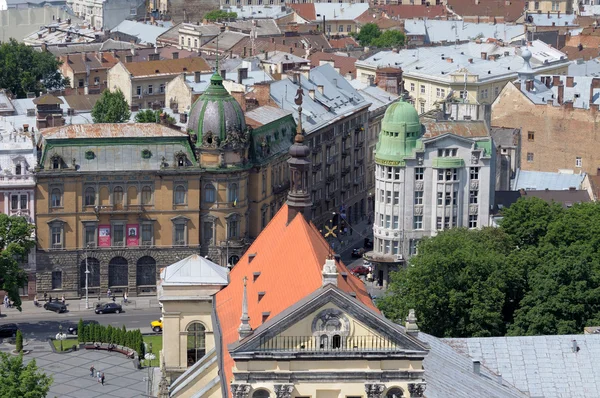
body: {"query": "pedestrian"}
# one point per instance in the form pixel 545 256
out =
pixel 108 293
pixel 92 371
pixel 125 297
pixel 63 299
pixel 50 298
pixel 35 300
pixel 45 296
pixel 102 378
pixel 98 376
pixel 114 298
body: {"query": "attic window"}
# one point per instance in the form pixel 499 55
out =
pixel 576 95
pixel 157 71
pixel 260 296
pixel 256 275
pixel 265 316
pixel 184 69
pixel 251 257
pixel 344 275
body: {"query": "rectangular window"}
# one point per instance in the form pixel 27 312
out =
pixel 118 231
pixel 56 279
pixel 395 246
pixel 418 222
pixel 419 173
pixel 396 197
pixel 23 201
pixel 340 28
pixel 473 197
pixel 161 88
pixel 440 198
pixel 381 220
pixel 438 224
pixel 14 202
pixel 412 247
pixel 419 197
pixel 57 241
pixel 147 235
pixel 422 107
pixel 530 135
pixel 578 162
pixel 474 173
pixel 387 221
pixel 150 89
pixel 530 156
pixel 180 234
pixel 422 89
pixel 138 90
pixel 388 197
pixel 349 28
pixel 412 87
pixel 90 236
pixel 464 94
pixel 395 222
pixel 96 81
pixel 473 221
pixel 382 195
pixel 396 173
pixel 446 222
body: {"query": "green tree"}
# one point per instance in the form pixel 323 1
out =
pixel 111 108
pixel 460 284
pixel 16 239
pixel 150 116
pixel 19 342
pixel 80 331
pixel 217 15
pixel 19 380
pixel 23 70
pixel 389 38
pixel 527 220
pixel 368 33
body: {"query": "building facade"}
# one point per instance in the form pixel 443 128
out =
pixel 119 200
pixel 428 179
pixel 106 14
pixel 87 72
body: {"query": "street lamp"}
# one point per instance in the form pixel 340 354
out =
pixel 61 336
pixel 87 273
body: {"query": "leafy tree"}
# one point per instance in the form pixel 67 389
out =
pixel 15 242
pixel 22 69
pixel 19 380
pixel 527 220
pixel 80 331
pixel 111 108
pixel 150 116
pixel 459 284
pixel 19 342
pixel 389 38
pixel 216 15
pixel 368 32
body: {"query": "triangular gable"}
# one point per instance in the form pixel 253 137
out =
pixel 388 332
pixel 466 140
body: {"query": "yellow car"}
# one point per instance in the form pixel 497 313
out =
pixel 157 325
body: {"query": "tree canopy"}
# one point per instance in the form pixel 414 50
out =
pixel 538 273
pixel 150 116
pixel 371 35
pixel 111 107
pixel 23 70
pixel 16 239
pixel 19 380
pixel 216 15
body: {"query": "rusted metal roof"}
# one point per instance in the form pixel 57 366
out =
pixel 167 66
pixel 47 99
pixel 111 130
pixel 461 128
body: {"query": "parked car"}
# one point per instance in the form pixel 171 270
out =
pixel 73 329
pixel 358 252
pixel 360 270
pixel 109 308
pixel 157 325
pixel 8 330
pixel 56 307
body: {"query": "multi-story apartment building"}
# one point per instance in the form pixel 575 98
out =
pixel 429 177
pixel 144 83
pixel 18 158
pixel 106 14
pixel 335 120
pixel 87 72
pixel 474 72
pixel 119 200
pixel 554 6
pixel 338 19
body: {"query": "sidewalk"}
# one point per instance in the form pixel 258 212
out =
pixel 135 303
pixel 360 231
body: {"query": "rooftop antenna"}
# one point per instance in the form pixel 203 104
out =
pixel 252 37
pixel 217 67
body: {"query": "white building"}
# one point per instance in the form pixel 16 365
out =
pixel 106 14
pixel 428 177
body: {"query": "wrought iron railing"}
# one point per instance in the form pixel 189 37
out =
pixel 328 343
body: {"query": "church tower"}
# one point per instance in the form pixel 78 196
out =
pixel 298 200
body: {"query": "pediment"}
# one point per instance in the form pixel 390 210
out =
pixel 328 320
pixel 448 139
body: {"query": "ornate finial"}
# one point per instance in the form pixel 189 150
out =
pixel 245 329
pixel 299 138
pixel 217 69
pixel 411 326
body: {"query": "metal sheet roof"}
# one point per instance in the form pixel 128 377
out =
pixel 110 130
pixel 438 31
pixel 540 180
pixel 146 33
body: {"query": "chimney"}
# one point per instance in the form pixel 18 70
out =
pixel 477 367
pixel 530 85
pixel 568 105
pixel 240 98
pixel 245 52
pixel 548 81
pixel 311 93
pixel 470 60
pixel 555 80
pixel 499 378
pixel 484 55
pixel 559 13
pixel 242 74
pixel 570 81
pixel 410 327
pixel 44 47
pixel 223 73
pixel 574 347
pixel 595 85
pixel 548 14
pixel 449 60
pixel 320 88
pixel 196 77
pixel 561 93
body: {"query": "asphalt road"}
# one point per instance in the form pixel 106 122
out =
pixel 42 326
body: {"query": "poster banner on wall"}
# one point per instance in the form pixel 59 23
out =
pixel 133 235
pixel 104 235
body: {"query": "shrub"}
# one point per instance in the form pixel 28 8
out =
pixel 19 341
pixel 80 331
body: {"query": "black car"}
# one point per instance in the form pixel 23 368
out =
pixel 73 329
pixel 109 308
pixel 8 330
pixel 56 307
pixel 358 252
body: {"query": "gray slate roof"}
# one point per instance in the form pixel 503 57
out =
pixel 540 180
pixel 438 31
pixel 146 33
pixel 579 94
pixel 543 366
pixel 584 68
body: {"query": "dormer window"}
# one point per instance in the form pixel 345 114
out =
pixel 18 170
pixel 56 162
pixel 181 159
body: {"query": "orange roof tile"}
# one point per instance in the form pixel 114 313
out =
pixel 167 66
pixel 344 64
pixel 405 11
pixel 304 10
pixel 342 42
pixel 289 258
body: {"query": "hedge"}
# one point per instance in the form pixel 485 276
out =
pixel 108 334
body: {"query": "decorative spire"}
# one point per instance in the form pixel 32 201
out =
pixel 299 138
pixel 245 329
pixel 330 273
pixel 526 72
pixel 217 67
pixel 411 327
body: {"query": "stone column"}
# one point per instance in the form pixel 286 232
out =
pixel 374 390
pixel 416 389
pixel 284 390
pixel 240 390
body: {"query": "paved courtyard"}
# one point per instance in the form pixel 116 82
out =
pixel 72 375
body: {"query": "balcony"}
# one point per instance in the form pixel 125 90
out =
pixel 279 188
pixel 330 179
pixel 334 343
pixel 316 203
pixel 356 181
pixel 358 163
pixel 316 167
pixel 22 180
pixel 345 170
pixel 345 152
pixel 331 159
pixel 330 142
pixel 122 209
pixel 358 145
pixel 316 149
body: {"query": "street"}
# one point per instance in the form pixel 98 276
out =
pixel 40 326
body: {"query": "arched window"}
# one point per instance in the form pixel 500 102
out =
pixel 394 393
pixel 324 342
pixel 336 341
pixel 146 271
pixel 261 394
pixel 93 265
pixel 209 193
pixel 146 195
pixel 180 195
pixel 90 196
pixel 196 347
pixel 117 272
pixel 233 193
pixel 56 162
pixel 118 196
pixel 56 197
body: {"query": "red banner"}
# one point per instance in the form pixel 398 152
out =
pixel 133 235
pixel 104 235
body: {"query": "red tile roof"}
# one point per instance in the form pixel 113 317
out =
pixel 305 10
pixel 342 42
pixel 511 10
pixel 413 11
pixel 344 64
pixel 289 259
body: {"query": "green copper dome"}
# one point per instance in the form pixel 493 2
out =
pixel 400 134
pixel 216 114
